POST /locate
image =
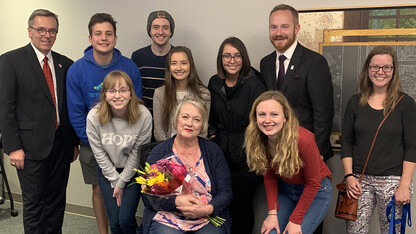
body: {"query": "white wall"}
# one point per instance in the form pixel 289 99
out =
pixel 200 25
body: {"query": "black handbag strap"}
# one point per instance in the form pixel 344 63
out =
pixel 375 136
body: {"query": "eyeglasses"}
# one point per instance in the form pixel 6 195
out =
pixel 42 31
pixel 228 57
pixel 377 68
pixel 120 91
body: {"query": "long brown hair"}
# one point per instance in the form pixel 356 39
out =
pixel 365 85
pixel 104 113
pixel 194 84
pixel 287 158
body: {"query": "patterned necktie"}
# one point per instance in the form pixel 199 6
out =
pixel 49 80
pixel 281 74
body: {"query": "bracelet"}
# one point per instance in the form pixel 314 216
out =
pixel 348 175
pixel 272 214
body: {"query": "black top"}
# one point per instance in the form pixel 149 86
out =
pixel 395 143
pixel 229 119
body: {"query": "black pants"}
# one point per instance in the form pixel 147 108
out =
pixel 242 210
pixel 43 185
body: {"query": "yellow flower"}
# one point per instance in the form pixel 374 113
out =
pixel 156 177
pixel 141 172
pixel 141 180
pixel 147 167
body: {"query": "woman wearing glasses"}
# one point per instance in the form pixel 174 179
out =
pixel 181 79
pixel 233 91
pixel 116 127
pixel 392 162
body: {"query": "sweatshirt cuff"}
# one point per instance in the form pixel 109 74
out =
pixel 120 183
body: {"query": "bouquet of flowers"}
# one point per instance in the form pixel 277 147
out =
pixel 166 178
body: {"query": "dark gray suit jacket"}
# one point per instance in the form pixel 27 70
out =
pixel 308 87
pixel 27 113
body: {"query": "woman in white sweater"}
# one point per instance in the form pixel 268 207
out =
pixel 181 79
pixel 116 127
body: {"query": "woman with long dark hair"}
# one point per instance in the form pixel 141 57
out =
pixel 233 90
pixel 181 79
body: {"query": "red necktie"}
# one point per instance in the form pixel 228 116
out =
pixel 281 74
pixel 49 80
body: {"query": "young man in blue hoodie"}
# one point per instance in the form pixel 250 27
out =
pixel 84 82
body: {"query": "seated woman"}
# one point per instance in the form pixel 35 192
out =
pixel 296 179
pixel 211 178
pixel 181 79
pixel 116 127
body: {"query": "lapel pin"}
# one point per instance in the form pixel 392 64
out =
pixel 59 65
pixel 295 77
pixel 292 67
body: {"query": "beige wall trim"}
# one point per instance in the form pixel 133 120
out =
pixel 367 32
pixel 309 10
pixel 321 45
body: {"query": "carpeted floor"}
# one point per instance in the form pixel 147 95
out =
pixel 73 223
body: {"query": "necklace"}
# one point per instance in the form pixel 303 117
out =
pixel 188 155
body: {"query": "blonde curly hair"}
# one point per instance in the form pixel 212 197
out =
pixel 286 161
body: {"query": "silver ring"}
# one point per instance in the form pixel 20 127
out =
pixel 13 163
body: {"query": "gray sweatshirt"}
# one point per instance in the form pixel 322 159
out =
pixel 115 144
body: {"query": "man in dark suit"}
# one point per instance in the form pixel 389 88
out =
pixel 34 122
pixel 306 83
pixel 302 75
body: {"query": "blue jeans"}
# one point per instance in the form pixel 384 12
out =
pixel 289 195
pixel 122 218
pixel 158 228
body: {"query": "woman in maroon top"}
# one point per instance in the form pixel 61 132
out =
pixel 296 179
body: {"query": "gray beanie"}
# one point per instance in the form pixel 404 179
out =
pixel 160 14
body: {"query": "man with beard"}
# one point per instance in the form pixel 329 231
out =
pixel 151 59
pixel 302 75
